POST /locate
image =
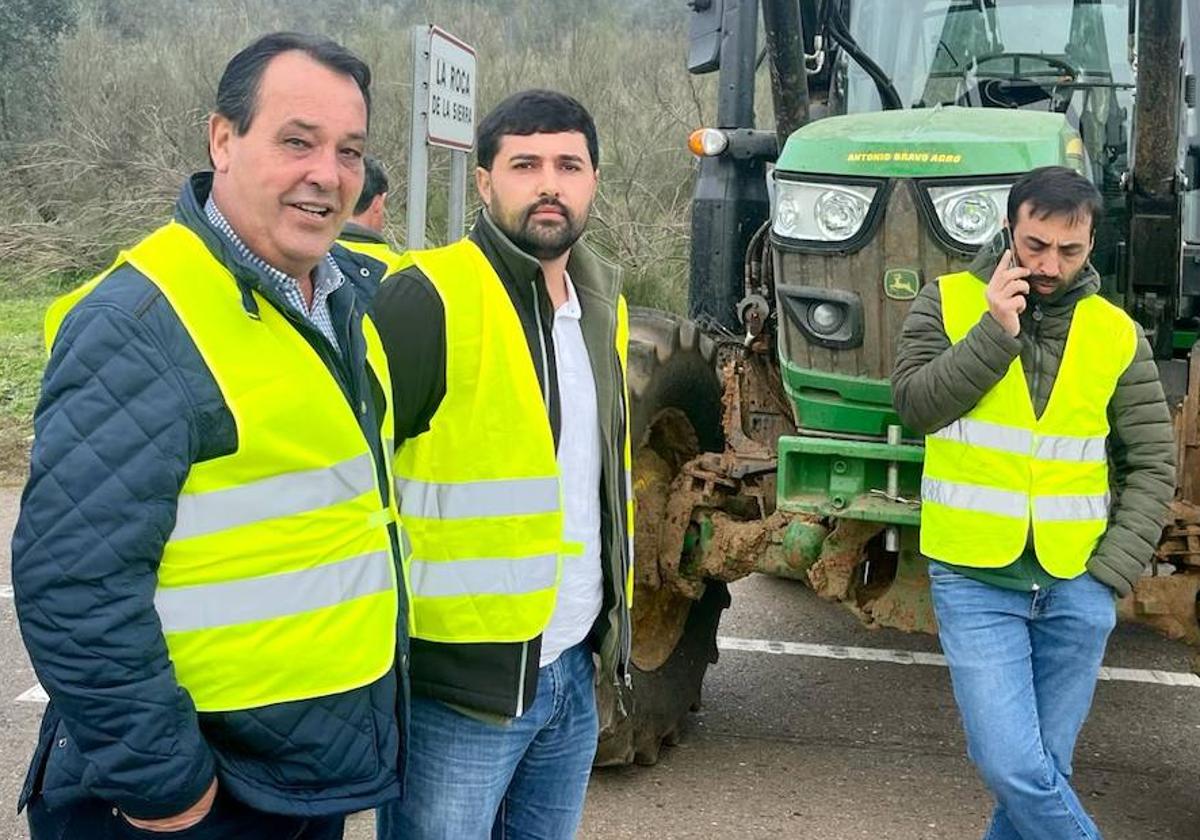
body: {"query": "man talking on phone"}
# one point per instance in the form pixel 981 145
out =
pixel 1049 466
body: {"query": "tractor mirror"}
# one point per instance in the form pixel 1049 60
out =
pixel 704 36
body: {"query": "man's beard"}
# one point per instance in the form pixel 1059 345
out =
pixel 542 241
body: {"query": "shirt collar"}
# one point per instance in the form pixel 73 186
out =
pixel 570 307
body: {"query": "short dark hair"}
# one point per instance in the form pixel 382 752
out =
pixel 1055 191
pixel 534 112
pixel 237 92
pixel 375 182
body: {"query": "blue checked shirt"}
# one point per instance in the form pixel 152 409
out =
pixel 328 279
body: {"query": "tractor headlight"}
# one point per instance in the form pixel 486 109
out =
pixel 826 318
pixel 970 215
pixel 821 212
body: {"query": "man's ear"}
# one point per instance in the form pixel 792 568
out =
pixel 483 184
pixel 220 132
pixel 375 214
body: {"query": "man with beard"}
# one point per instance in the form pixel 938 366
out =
pixel 1036 396
pixel 508 353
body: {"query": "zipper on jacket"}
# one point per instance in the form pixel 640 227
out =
pixel 1037 356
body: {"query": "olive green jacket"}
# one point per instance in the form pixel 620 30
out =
pixel 934 383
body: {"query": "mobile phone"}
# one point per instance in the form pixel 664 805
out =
pixel 1007 245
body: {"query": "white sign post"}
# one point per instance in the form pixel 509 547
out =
pixel 443 114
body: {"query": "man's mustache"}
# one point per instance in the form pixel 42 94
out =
pixel 548 202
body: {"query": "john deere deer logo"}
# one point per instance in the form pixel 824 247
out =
pixel 901 283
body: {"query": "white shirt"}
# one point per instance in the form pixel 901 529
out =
pixel 581 590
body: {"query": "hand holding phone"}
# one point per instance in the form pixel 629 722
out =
pixel 1007 288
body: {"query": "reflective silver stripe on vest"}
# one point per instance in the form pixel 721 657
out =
pixel 269 498
pixel 210 605
pixel 1054 448
pixel 491 576
pixel 988 435
pixel 467 499
pixel 1070 508
pixel 974 497
pixel 1022 441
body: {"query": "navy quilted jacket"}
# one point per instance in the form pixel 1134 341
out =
pixel 127 406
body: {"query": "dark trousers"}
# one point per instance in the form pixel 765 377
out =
pixel 92 819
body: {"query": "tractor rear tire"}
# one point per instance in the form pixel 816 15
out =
pixel 675 413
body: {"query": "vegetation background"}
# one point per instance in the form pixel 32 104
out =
pixel 103 106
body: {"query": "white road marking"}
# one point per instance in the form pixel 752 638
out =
pixel 6 591
pixel 905 657
pixel 37 694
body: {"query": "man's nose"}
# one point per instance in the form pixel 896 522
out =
pixel 548 183
pixel 323 172
pixel 1048 266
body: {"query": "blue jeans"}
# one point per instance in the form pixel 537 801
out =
pixel 469 779
pixel 1024 667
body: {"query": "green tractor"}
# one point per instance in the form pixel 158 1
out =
pixel 764 434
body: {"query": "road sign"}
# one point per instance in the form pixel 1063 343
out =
pixel 443 114
pixel 451 91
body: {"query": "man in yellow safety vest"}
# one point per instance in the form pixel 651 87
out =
pixel 206 564
pixel 363 232
pixel 1048 471
pixel 512 474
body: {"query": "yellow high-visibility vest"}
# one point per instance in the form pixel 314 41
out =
pixel 394 260
pixel 999 469
pixel 479 492
pixel 278 581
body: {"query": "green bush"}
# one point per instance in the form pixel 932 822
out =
pixel 22 358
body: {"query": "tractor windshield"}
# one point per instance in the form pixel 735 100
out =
pixel 1043 54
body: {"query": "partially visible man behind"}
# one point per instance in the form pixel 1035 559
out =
pixel 205 560
pixel 370 211
pixel 363 232
pixel 513 477
pixel 1036 396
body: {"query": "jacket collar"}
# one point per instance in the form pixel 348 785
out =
pixel 354 232
pixel 189 211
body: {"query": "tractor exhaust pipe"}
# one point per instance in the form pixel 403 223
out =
pixel 784 31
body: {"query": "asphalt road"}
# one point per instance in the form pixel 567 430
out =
pixel 796 746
